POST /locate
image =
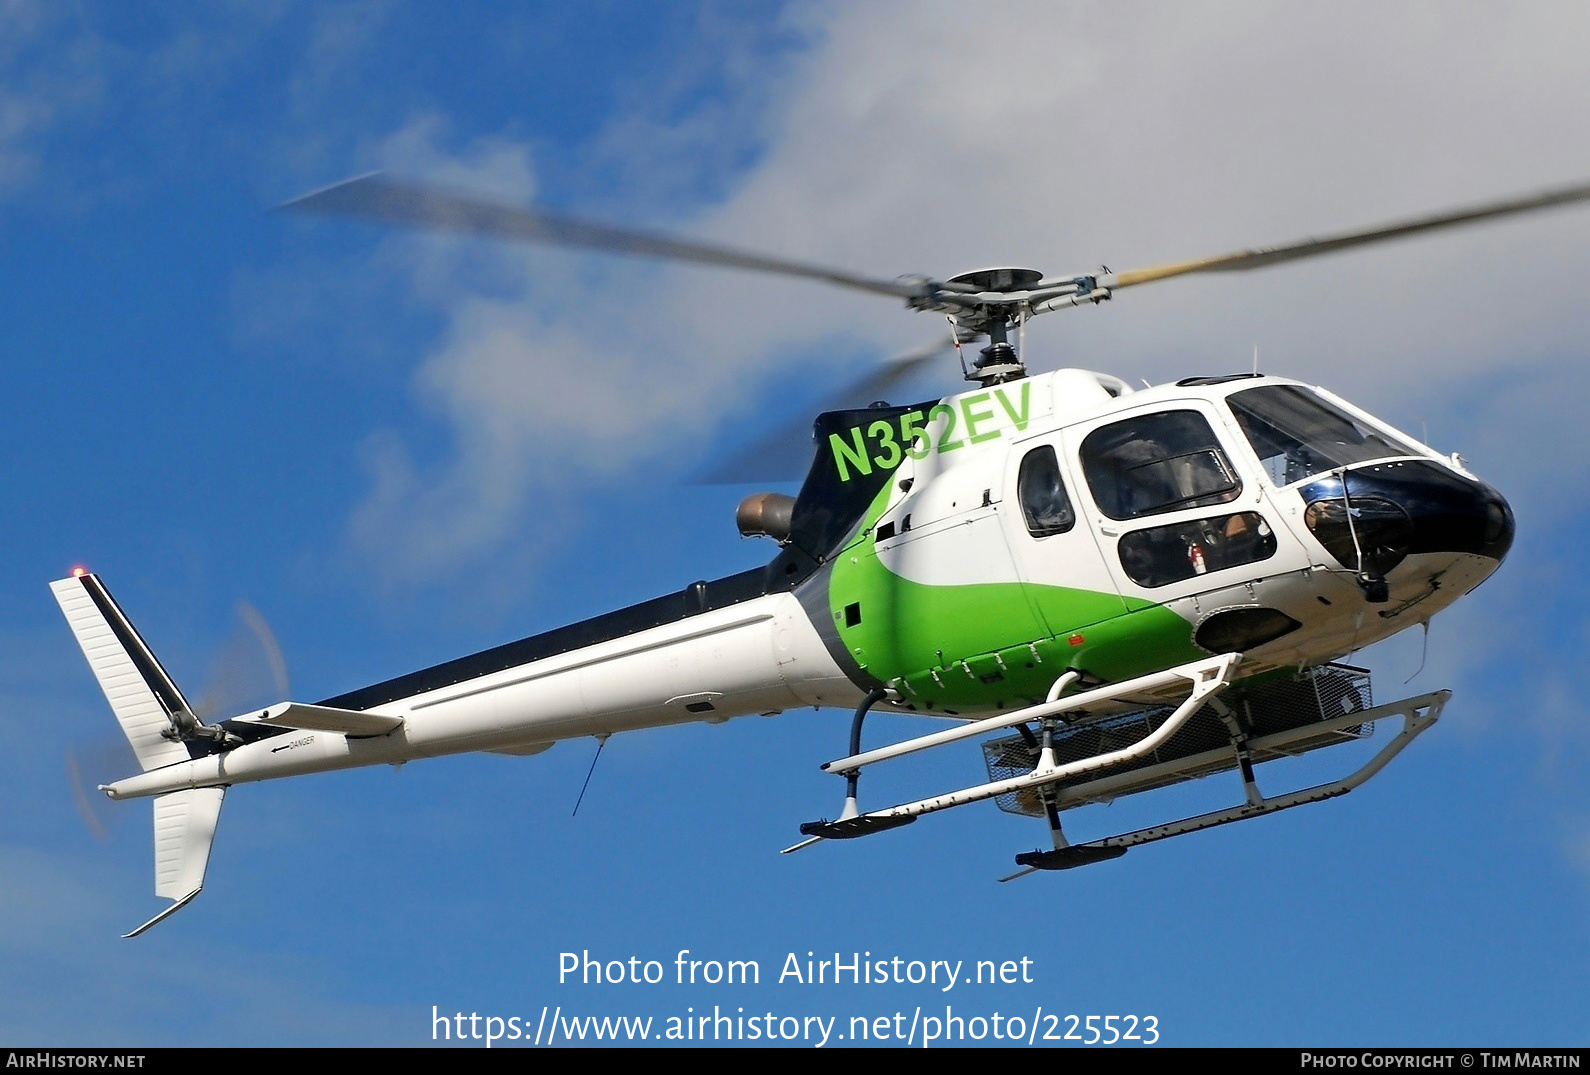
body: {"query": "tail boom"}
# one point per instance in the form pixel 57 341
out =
pixel 761 656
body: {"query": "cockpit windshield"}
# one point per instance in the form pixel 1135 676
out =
pixel 1298 434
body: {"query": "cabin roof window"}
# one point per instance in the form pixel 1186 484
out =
pixel 1297 434
pixel 1155 463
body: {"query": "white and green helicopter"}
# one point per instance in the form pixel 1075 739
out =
pixel 1122 589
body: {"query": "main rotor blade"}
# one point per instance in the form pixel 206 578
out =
pixel 1242 260
pixel 376 197
pixel 785 454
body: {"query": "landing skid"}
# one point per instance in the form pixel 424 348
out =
pixel 1418 715
pixel 851 823
pixel 1094 761
pixel 1205 677
pixel 1065 858
pixel 848 828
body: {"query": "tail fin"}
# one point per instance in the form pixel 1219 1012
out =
pixel 184 829
pixel 156 719
pixel 140 693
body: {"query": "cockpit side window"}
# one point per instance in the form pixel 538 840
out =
pixel 1298 434
pixel 1043 494
pixel 1156 463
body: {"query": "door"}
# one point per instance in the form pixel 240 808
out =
pixel 1173 509
pixel 1059 560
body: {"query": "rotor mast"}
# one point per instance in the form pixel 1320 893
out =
pixel 1006 289
pixel 998 362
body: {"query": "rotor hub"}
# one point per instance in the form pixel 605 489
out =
pixel 999 278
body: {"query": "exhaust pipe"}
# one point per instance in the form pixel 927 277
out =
pixel 766 515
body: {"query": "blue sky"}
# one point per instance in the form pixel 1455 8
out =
pixel 402 449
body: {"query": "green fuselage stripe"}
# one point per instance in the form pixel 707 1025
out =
pixel 992 645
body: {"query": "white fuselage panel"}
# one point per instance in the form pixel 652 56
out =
pixel 761 656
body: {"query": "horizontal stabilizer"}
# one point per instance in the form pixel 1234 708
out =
pixel 320 718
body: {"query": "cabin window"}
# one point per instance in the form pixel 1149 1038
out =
pixel 1162 555
pixel 1156 463
pixel 1042 493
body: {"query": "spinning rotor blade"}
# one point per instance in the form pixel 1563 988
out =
pixel 889 373
pixel 1242 260
pixel 249 672
pixel 92 763
pixel 376 197
pixel 785 454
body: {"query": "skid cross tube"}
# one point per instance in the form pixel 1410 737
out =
pixel 1418 715
pixel 853 775
pixel 1207 676
pixel 1197 671
pixel 849 822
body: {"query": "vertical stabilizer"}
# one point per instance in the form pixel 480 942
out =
pixel 140 693
pixel 184 830
pixel 184 827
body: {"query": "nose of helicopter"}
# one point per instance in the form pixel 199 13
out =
pixel 1390 511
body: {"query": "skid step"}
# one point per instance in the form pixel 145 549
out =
pixel 848 828
pixel 1066 858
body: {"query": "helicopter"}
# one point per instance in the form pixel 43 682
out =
pixel 1115 589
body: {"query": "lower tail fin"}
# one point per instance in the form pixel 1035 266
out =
pixel 184 829
pixel 160 726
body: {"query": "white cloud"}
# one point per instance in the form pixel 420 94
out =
pixel 1060 137
pixel 46 69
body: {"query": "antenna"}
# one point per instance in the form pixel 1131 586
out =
pixel 1424 652
pixel 601 741
pixel 1255 360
